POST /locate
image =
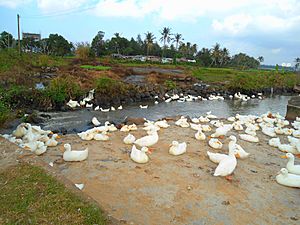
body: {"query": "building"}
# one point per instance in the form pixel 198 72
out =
pixel 36 37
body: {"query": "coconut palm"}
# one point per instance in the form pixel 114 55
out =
pixel 165 37
pixel 215 54
pixel 260 59
pixel 297 61
pixel 149 41
pixel 224 56
pixel 178 40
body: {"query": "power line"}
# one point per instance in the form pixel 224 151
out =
pixel 61 13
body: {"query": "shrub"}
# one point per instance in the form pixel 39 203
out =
pixel 170 84
pixel 84 51
pixel 110 86
pixel 61 89
pixel 90 67
pixel 4 112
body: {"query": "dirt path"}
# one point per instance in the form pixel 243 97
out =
pixel 181 190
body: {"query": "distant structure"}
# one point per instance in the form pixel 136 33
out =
pixel 35 37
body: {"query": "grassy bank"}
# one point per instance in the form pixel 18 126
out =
pixel 29 196
pixel 246 79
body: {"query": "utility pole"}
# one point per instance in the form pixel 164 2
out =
pixel 18 18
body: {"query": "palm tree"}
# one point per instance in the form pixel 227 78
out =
pixel 261 59
pixel 165 37
pixel 297 61
pixel 215 54
pixel 224 56
pixel 177 39
pixel 149 41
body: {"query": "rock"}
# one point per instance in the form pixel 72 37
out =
pixel 293 108
pixel 35 118
pixel 136 121
pixel 63 130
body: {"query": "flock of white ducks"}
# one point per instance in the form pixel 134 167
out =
pixel 37 140
pixel 166 98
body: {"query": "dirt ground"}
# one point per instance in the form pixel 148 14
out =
pixel 177 189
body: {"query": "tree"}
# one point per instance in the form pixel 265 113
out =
pixel 58 45
pixel 6 40
pixel 244 61
pixel 83 51
pixel 224 56
pixel 297 63
pixel 98 44
pixel 215 54
pixel 204 57
pixel 260 59
pixel 165 37
pixel 149 41
pixel 177 39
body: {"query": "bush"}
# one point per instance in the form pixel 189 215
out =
pixel 84 51
pixel 170 84
pixel 4 112
pixel 110 86
pixel 61 89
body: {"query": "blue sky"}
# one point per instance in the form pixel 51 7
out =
pixel 269 28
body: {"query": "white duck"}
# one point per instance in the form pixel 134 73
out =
pixel 148 140
pixel 36 147
pixel 228 164
pixel 129 139
pixel 200 135
pixel 291 167
pixel 88 135
pixel 139 156
pixel 238 150
pixel 249 138
pixel 120 107
pixel 293 141
pixel 21 130
pixel 222 131
pixel 196 126
pixel 74 156
pixel 143 106
pixel 216 157
pixel 274 142
pixel 101 136
pixel 287 179
pixel 296 133
pixel 177 148
pixel 105 110
pixel 162 124
pixel 206 128
pixel 290 148
pixel 215 143
pixel 52 142
pixel 73 104
pixel 95 122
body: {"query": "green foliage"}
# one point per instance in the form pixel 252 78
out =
pixel 83 51
pixel 108 85
pixel 4 112
pixel 246 79
pixel 6 40
pixel 57 45
pixel 61 89
pixel 98 44
pixel 29 195
pixel 170 84
pixel 99 67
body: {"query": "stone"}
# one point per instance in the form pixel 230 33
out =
pixel 135 120
pixel 293 108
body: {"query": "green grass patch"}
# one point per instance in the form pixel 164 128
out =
pixel 246 79
pixel 99 67
pixel 170 84
pixel 4 112
pixel 30 196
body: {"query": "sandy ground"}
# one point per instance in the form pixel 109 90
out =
pixel 178 189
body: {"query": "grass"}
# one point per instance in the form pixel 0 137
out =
pixel 11 60
pixel 29 196
pixel 90 67
pixel 246 79
pixel 170 84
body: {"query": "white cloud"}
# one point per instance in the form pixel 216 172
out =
pixel 233 24
pixel 276 50
pixel 13 3
pixel 59 5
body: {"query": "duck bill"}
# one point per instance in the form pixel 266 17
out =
pixel 283 157
pixel 58 137
pixel 237 155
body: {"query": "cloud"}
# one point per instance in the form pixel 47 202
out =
pixel 234 24
pixel 59 5
pixel 13 3
pixel 276 50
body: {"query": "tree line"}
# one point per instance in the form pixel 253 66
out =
pixel 172 46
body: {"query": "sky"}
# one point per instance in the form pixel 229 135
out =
pixel 268 28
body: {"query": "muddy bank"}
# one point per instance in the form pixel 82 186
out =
pixel 180 190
